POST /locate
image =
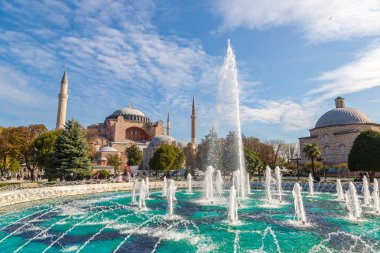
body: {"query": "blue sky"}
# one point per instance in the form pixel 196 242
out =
pixel 294 58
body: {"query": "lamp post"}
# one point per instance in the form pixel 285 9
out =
pixel 297 159
pixel 324 166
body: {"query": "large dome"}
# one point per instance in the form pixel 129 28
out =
pixel 342 116
pixel 129 113
pixel 161 139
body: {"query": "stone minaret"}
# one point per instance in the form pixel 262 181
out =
pixel 168 125
pixel 193 125
pixel 62 103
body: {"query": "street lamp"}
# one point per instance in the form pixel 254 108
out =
pixel 324 166
pixel 297 159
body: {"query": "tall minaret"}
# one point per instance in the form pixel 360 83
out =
pixel 168 125
pixel 62 103
pixel 193 126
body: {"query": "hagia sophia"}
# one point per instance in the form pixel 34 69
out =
pixel 123 128
pixel 335 132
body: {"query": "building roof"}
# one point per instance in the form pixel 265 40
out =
pixel 107 149
pixel 129 113
pixel 161 139
pixel 342 116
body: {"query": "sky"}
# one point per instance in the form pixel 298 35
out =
pixel 294 57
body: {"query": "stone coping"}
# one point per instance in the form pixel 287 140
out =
pixel 32 194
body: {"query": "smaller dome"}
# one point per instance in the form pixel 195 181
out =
pixel 107 149
pixel 161 139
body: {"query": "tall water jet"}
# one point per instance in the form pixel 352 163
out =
pixel 268 185
pixel 278 176
pixel 147 187
pixel 232 206
pixel 142 195
pixel 236 181
pixel 339 190
pixel 230 111
pixel 189 184
pixel 311 184
pixel 134 186
pixel 171 196
pixel 366 194
pixel 375 196
pixel 208 184
pixel 248 188
pixel 164 187
pixel 298 204
pixel 353 203
pixel 219 183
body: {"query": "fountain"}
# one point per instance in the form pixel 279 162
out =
pixel 134 186
pixel 366 194
pixel 248 184
pixel 147 187
pixel 164 187
pixel 353 203
pixel 277 173
pixel 229 106
pixel 339 190
pixel 142 195
pixel 268 185
pixel 219 183
pixel 298 204
pixel 375 196
pixel 189 184
pixel 232 206
pixel 171 196
pixel 311 184
pixel 208 184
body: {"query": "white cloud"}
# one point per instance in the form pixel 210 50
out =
pixel 319 20
pixel 360 74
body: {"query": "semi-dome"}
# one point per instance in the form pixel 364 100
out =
pixel 107 149
pixel 161 139
pixel 342 115
pixel 129 113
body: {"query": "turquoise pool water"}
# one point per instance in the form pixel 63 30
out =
pixel 108 223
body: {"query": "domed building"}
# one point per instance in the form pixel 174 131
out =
pixel 335 132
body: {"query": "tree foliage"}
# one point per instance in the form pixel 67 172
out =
pixel 252 161
pixel 44 146
pixel 114 160
pixel 70 156
pixel 134 155
pixel 312 152
pixel 365 152
pixel 166 158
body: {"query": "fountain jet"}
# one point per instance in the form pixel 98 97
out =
pixel 208 183
pixel 232 206
pixel 171 196
pixel 375 196
pixel 142 195
pixel 164 187
pixel 311 184
pixel 189 184
pixel 366 194
pixel 339 190
pixel 279 182
pixel 219 183
pixel 298 204
pixel 134 186
pixel 353 203
pixel 147 187
pixel 268 185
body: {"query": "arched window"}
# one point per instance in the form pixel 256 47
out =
pixel 326 150
pixel 326 138
pixel 342 149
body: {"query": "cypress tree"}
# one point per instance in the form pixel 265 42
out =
pixel 70 155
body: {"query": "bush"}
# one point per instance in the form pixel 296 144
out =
pixel 103 174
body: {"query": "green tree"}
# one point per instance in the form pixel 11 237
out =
pixel 44 145
pixel 230 153
pixel 166 158
pixel 134 154
pixel 114 160
pixel 70 154
pixel 252 161
pixel 209 151
pixel 365 152
pixel 312 152
pixel 190 158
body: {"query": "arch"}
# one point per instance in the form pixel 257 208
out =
pixel 135 134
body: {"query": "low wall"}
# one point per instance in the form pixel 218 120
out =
pixel 24 195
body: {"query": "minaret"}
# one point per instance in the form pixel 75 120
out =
pixel 193 126
pixel 62 103
pixel 168 125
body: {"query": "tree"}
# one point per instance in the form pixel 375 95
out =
pixel 44 145
pixel 166 158
pixel 134 154
pixel 230 154
pixel 365 152
pixel 70 155
pixel 114 160
pixel 190 158
pixel 312 152
pixel 252 161
pixel 209 151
